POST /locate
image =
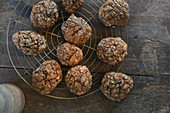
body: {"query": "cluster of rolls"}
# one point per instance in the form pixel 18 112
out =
pixel 76 31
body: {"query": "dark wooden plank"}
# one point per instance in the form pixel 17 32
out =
pixel 150 94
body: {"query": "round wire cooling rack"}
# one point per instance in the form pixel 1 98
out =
pixel 24 64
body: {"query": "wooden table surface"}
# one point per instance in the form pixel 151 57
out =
pixel 148 63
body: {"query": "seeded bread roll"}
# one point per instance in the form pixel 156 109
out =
pixel 47 76
pixel 112 50
pixel 78 79
pixel 44 14
pixel 114 13
pixel 76 30
pixel 116 86
pixel 29 42
pixel 69 54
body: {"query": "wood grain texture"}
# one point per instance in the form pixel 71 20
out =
pixel 148 95
pixel 148 63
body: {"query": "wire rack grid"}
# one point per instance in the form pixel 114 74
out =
pixel 24 65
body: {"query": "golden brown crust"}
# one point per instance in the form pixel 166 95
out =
pixel 71 6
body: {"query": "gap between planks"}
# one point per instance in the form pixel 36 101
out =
pixel 140 75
